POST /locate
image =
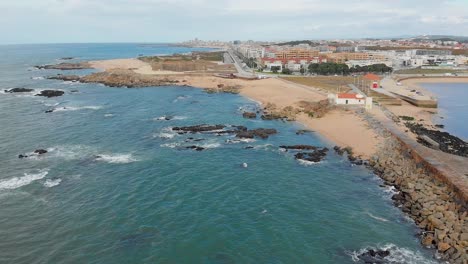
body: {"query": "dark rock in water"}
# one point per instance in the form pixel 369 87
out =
pixel 21 156
pixel 315 156
pixel 259 132
pixel 374 256
pixel 50 93
pixel 303 131
pixel 299 147
pixel 19 90
pixel 65 66
pixel 439 126
pixel 249 115
pixel 67 58
pixel 271 116
pixel 338 150
pixel 198 128
pixel 197 148
pixel 447 142
pixel 74 91
pixel 49 111
pixel 70 78
pixel 249 147
pixel 40 151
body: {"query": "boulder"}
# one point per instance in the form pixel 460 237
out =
pixel 249 115
pixel 259 132
pixel 40 151
pixel 442 246
pixel 19 90
pixel 374 256
pixel 197 148
pixel 50 93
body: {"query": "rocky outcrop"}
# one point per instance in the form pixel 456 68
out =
pixel 50 93
pixel 221 88
pixel 259 132
pixel 431 203
pixel 127 78
pixel 303 131
pixel 19 90
pixel 197 148
pixel 299 147
pixel 36 152
pixel 67 58
pixel 446 142
pixel 374 256
pixel 198 128
pixel 70 78
pixel 65 66
pixel 249 115
pixel 315 156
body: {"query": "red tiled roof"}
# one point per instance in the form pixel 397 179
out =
pixel 350 96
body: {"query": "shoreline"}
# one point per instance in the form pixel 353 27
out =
pixel 423 187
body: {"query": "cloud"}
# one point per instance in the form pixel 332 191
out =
pixel 174 20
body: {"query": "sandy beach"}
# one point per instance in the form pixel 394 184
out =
pixel 331 127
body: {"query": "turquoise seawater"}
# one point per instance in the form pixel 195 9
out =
pixel 453 106
pixel 147 200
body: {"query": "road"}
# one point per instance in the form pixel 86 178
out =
pixel 241 71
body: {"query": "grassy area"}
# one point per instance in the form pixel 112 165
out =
pixel 332 84
pixel 204 56
pixel 429 71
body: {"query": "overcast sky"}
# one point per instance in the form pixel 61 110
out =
pixel 65 21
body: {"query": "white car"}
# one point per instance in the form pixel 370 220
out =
pixel 398 83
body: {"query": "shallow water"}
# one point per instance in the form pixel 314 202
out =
pixel 117 187
pixel 453 106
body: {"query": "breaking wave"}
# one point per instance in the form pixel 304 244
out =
pixel 18 182
pixel 76 108
pixel 49 183
pixel 397 255
pixel 116 158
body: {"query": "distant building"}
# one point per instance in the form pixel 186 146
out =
pixel 372 80
pixel 349 99
pixel 428 52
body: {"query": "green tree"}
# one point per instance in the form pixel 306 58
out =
pixel 275 69
pixel 286 71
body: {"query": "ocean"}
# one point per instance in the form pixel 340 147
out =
pixel 118 185
pixel 452 107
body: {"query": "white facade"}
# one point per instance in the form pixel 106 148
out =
pixel 349 99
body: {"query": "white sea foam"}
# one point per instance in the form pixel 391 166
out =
pixel 108 115
pixel 210 145
pixel 116 158
pixel 77 108
pixel 164 135
pixel 70 152
pixel 18 182
pixel 182 97
pixel 397 255
pixel 377 218
pixel 166 118
pixel 307 163
pixel 38 78
pixel 240 140
pixel 49 183
pixel 170 145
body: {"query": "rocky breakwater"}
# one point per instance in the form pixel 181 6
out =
pixel 431 203
pixel 65 66
pixel 127 78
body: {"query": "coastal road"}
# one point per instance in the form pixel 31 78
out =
pixel 241 72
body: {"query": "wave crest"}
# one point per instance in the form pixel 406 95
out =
pixel 17 182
